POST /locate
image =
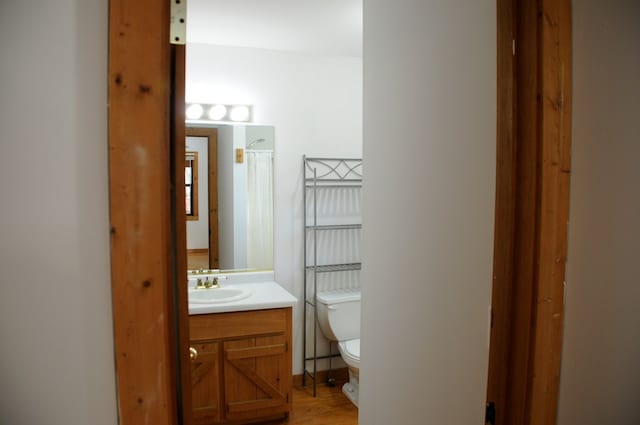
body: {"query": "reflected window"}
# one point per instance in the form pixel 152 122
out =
pixel 191 185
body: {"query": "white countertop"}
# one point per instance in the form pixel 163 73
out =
pixel 265 294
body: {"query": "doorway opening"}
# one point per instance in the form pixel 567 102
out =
pixel 144 233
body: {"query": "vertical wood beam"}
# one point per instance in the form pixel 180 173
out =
pixel 503 257
pixel 555 131
pixel 140 211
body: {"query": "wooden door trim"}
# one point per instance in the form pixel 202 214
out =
pixel 179 223
pixel 212 170
pixel 504 224
pixel 532 198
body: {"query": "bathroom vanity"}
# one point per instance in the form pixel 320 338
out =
pixel 241 356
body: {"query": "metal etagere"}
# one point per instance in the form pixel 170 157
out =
pixel 320 174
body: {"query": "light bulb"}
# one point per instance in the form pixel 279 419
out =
pixel 240 113
pixel 217 112
pixel 194 111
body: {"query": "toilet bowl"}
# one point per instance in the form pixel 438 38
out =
pixel 339 320
pixel 350 352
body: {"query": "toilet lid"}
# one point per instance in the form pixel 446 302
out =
pixel 351 348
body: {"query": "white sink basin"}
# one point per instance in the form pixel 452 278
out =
pixel 217 295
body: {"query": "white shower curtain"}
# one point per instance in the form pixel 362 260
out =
pixel 259 209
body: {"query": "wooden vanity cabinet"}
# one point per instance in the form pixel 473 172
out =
pixel 242 372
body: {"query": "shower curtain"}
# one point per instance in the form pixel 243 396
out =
pixel 259 209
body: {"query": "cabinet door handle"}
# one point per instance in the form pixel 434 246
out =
pixel 193 353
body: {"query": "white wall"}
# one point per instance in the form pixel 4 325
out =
pixel 315 105
pixel 56 349
pixel 428 205
pixel 600 378
pixel 255 132
pixel 198 230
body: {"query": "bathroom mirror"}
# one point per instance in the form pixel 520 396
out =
pixel 229 196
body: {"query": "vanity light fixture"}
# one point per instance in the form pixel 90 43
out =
pixel 219 112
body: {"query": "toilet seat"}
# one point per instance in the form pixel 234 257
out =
pixel 350 351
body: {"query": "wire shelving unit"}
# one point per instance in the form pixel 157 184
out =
pixel 320 174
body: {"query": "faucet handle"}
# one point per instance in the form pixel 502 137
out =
pixel 217 279
pixel 199 285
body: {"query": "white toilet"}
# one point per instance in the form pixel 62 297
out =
pixel 339 319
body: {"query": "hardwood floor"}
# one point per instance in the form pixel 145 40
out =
pixel 330 407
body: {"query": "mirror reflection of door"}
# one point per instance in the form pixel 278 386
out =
pixel 201 198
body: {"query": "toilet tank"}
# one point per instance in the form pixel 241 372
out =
pixel 339 314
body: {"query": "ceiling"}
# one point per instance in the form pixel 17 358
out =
pixel 324 27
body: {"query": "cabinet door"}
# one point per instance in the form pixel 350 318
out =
pixel 257 377
pixel 205 383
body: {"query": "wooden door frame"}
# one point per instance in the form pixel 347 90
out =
pixel 532 209
pixel 211 134
pixel 148 241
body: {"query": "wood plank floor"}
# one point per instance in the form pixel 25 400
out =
pixel 330 407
